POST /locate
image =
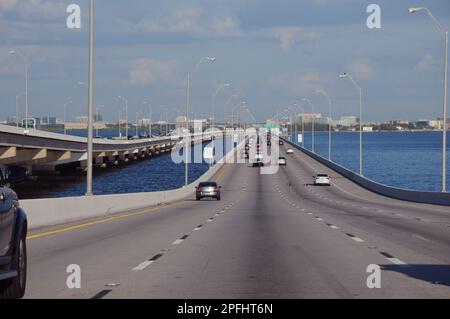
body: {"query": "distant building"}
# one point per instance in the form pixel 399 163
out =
pixel 368 129
pixel 81 123
pixel 438 123
pixel 309 117
pixel 348 121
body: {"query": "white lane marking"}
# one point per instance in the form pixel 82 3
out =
pixel 396 261
pixel 143 265
pixel 357 239
pixel 178 241
pixel 420 237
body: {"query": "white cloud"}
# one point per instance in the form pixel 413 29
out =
pixel 226 26
pixel 362 69
pixel 191 20
pixel 150 71
pixel 7 4
pixel 427 64
pixel 45 8
pixel 296 84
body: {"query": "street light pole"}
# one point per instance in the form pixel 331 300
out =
pixel 234 108
pixel 97 117
pixel 90 145
pixel 324 93
pixel 213 98
pixel 313 123
pixel 25 58
pixel 149 118
pixel 226 106
pixel 444 34
pixel 343 76
pixel 65 114
pixel 303 126
pixel 18 96
pixel 188 100
pixel 126 115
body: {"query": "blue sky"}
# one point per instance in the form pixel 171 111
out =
pixel 272 52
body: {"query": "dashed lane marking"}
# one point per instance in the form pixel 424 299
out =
pixel 147 263
pixel 393 260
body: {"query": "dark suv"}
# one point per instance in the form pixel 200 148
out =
pixel 13 232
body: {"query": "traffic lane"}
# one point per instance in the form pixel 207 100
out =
pixel 410 241
pixel 105 250
pixel 263 247
pixel 407 253
pixel 346 191
pixel 432 236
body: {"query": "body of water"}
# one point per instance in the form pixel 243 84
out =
pixel 410 160
pixel 159 173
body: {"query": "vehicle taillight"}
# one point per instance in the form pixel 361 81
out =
pixel 217 189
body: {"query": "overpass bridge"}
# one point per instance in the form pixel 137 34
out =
pixel 271 236
pixel 43 151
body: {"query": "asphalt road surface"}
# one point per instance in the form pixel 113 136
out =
pixel 271 236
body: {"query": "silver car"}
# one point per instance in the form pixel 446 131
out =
pixel 208 190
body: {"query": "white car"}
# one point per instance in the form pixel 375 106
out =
pixel 290 151
pixel 282 161
pixel 322 180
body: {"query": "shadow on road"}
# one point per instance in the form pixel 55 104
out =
pixel 434 274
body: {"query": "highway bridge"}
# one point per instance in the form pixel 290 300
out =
pixel 40 151
pixel 271 236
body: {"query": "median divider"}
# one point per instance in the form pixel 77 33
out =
pixel 55 211
pixel 435 198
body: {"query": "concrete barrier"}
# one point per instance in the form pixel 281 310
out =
pixel 436 198
pixel 54 211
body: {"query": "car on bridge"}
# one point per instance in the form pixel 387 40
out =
pixel 207 190
pixel 258 161
pixel 13 232
pixel 322 180
pixel 290 151
pixel 282 161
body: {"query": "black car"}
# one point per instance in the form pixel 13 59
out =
pixel 13 232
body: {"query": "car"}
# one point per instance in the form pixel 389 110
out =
pixel 13 233
pixel 258 161
pixel 282 161
pixel 280 142
pixel 290 151
pixel 208 189
pixel 322 180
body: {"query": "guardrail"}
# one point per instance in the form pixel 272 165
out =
pixel 54 211
pixel 436 198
